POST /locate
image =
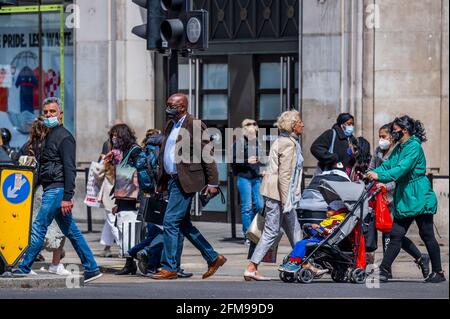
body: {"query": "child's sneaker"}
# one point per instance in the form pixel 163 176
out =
pixel 291 267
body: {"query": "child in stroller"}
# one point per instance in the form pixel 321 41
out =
pixel 337 244
pixel 336 213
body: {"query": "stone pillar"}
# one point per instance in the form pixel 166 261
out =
pixel 406 72
pixel 135 71
pixel 321 61
pixel 94 105
pixel 332 62
pixel 114 80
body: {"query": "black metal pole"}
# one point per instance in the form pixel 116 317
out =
pixel 173 73
pixel 89 210
pixel 232 206
pixel 430 178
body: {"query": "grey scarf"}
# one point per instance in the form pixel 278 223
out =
pixel 293 199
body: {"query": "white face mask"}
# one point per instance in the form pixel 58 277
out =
pixel 384 144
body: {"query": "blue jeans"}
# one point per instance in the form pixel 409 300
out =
pixel 252 202
pixel 51 209
pixel 153 246
pixel 178 219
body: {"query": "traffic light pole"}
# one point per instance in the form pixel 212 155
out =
pixel 173 73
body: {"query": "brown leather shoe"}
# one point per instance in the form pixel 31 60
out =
pixel 164 275
pixel 214 266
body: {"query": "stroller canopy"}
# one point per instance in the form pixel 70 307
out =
pixel 347 192
pixel 312 199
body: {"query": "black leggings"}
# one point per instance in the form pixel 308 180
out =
pixel 407 245
pixel 426 232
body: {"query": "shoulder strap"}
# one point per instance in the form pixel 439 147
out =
pixel 152 163
pixel 125 160
pixel 331 149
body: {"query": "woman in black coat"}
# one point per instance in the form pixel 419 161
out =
pixel 340 154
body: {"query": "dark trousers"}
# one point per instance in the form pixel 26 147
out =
pixel 407 245
pixel 426 232
pixel 177 220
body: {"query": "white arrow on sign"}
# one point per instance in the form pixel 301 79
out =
pixel 12 191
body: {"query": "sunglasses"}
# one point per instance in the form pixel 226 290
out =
pixel 251 124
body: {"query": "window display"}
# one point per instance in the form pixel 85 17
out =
pixel 33 68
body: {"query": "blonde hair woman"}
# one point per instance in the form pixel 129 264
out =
pixel 281 190
pixel 246 167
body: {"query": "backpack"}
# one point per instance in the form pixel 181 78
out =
pixel 147 168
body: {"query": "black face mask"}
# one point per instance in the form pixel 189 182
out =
pixel 171 113
pixel 397 135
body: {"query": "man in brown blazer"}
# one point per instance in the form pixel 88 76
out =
pixel 184 170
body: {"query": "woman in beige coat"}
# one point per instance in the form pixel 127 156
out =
pixel 281 190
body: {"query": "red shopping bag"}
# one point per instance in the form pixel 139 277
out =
pixel 359 247
pixel 383 219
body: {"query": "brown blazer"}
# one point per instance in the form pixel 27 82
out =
pixel 193 174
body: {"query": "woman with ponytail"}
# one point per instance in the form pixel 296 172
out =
pixel 414 198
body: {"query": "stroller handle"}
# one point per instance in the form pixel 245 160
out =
pixel 369 187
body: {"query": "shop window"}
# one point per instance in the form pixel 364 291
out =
pixel 33 68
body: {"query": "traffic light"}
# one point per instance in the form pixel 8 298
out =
pixel 184 29
pixel 171 25
pixel 151 30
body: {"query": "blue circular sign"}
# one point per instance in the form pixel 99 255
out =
pixel 16 188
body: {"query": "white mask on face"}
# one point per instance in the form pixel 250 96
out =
pixel 384 144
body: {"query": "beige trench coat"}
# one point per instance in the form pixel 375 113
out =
pixel 281 164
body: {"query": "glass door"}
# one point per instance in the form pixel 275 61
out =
pixel 277 89
pixel 206 83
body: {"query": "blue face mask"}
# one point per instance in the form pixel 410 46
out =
pixel 348 130
pixel 51 122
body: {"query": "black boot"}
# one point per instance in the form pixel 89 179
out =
pixel 129 268
pixel 424 264
pixel 384 274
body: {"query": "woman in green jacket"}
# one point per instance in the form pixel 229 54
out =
pixel 414 198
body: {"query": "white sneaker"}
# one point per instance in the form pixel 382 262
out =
pixel 33 273
pixel 59 270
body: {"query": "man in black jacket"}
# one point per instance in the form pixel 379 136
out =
pixel 57 173
pixel 335 148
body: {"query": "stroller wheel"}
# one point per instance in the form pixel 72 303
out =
pixel 287 277
pixel 358 276
pixel 305 276
pixel 338 276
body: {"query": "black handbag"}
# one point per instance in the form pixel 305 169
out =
pixel 205 198
pixel 370 233
pixel 153 209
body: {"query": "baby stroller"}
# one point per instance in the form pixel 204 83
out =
pixel 313 207
pixel 338 253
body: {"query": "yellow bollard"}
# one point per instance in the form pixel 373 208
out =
pixel 16 207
